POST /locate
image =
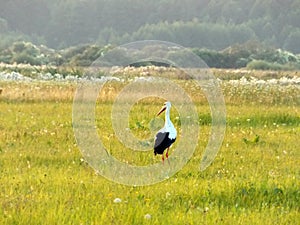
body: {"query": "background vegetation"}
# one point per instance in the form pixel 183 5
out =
pixel 250 54
pixel 208 24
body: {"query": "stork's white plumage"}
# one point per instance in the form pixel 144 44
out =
pixel 166 136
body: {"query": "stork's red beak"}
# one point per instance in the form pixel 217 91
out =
pixel 162 109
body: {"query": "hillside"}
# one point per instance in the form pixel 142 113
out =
pixel 192 23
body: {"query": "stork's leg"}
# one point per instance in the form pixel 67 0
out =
pixel 163 158
pixel 167 153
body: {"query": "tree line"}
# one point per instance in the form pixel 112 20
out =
pixel 211 24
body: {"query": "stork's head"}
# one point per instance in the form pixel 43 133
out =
pixel 167 105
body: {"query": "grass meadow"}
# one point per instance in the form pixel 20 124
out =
pixel 255 178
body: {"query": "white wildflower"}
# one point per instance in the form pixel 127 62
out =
pixel 147 216
pixel 117 200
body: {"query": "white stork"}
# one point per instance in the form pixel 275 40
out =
pixel 166 136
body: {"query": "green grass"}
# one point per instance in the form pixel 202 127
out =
pixel 45 180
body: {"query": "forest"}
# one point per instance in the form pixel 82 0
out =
pixel 211 24
pixel 263 34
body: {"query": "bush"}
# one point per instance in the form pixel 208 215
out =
pixel 18 47
pixel 26 59
pixel 264 65
pixel 212 58
pixel 6 56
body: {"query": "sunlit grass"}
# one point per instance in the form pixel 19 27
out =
pixel 45 180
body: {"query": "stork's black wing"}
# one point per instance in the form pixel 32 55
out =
pixel 162 142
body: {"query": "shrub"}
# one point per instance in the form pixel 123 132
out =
pixel 26 59
pixel 263 65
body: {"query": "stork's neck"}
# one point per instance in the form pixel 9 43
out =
pixel 167 118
